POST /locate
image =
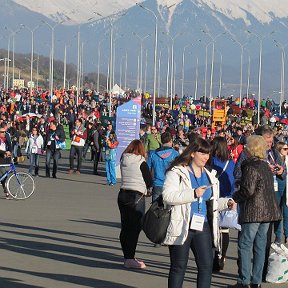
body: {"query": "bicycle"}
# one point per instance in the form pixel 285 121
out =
pixel 20 185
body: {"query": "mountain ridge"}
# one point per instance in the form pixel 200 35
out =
pixel 264 12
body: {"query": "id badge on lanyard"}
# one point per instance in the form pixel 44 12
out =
pixel 197 221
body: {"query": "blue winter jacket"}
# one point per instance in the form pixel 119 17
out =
pixel 158 161
pixel 226 178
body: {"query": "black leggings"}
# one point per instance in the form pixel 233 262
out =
pixel 132 209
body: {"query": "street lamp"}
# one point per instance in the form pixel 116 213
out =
pixel 65 66
pixel 241 67
pixel 283 56
pixel 121 69
pixel 155 58
pixel 168 72
pixel 32 53
pixel 183 64
pixel 98 68
pixel 13 33
pixel 52 27
pixel 248 75
pixel 145 71
pixel 37 72
pixel 141 57
pixel 172 75
pixel 111 68
pixel 212 62
pixel 206 68
pixel 260 38
pixel 220 75
pixel 159 71
pixel 196 80
pixel 125 75
pixel 5 79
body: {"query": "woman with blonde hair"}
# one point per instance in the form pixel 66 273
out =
pixel 258 207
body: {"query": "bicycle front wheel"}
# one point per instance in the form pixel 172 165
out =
pixel 20 185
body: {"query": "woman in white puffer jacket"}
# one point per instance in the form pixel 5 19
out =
pixel 193 192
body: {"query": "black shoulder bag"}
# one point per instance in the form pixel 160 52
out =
pixel 156 220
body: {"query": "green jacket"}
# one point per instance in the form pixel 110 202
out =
pixel 153 142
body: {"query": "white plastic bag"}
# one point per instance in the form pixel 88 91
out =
pixel 277 269
pixel 229 219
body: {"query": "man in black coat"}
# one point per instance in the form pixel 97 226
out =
pixel 55 134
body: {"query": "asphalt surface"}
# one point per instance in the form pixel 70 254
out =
pixel 66 235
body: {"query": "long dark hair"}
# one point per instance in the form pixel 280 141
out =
pixel 198 145
pixel 220 149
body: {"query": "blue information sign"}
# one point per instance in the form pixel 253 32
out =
pixel 127 124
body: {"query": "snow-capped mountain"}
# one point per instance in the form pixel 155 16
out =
pixel 82 10
pixel 76 11
pixel 184 20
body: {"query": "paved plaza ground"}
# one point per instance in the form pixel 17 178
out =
pixel 66 235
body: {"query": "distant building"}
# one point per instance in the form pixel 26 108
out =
pixel 18 83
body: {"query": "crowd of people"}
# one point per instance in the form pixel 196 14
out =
pixel 198 177
pixel 199 170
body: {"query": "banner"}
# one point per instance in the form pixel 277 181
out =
pixel 127 124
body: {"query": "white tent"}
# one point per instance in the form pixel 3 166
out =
pixel 116 90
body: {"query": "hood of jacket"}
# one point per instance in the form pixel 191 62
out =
pixel 128 158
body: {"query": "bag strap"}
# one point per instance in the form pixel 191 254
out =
pixel 224 168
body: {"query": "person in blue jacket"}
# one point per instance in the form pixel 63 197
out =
pixel 159 161
pixel 224 165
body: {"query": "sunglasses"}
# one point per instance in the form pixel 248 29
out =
pixel 2 131
pixel 286 148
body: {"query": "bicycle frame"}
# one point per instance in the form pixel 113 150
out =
pixel 11 170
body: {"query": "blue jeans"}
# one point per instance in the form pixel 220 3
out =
pixel 15 149
pixel 110 171
pixel 281 200
pixel 156 192
pixel 252 242
pixel 200 242
pixel 34 163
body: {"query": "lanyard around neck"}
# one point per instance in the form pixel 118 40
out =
pixel 200 199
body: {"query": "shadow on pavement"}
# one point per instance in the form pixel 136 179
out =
pixel 14 283
pixel 81 281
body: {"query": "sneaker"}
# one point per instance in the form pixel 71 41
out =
pixel 134 264
pixel 78 172
pixel 157 245
pixel 255 285
pixel 70 171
